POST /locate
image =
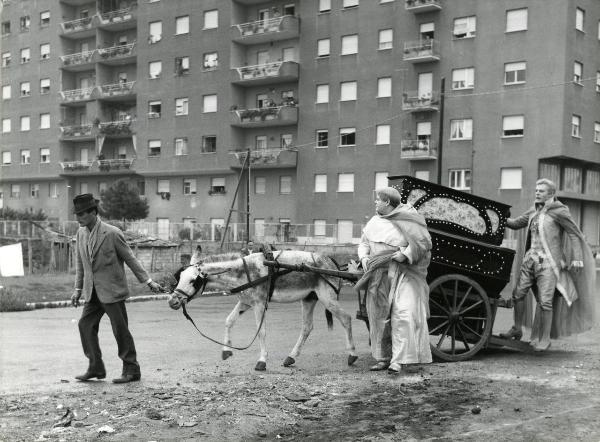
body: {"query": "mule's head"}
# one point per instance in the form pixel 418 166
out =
pixel 191 281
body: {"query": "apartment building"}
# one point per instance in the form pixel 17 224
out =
pixel 327 98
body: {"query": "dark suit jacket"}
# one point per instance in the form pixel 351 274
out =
pixel 105 270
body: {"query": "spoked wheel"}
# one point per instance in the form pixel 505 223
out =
pixel 460 319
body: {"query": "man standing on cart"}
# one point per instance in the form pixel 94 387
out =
pixel 395 251
pixel 557 259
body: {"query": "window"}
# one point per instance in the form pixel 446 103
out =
pixel 155 32
pixel 181 146
pixel 422 175
pixel 6 157
pixel 576 126
pixel 598 81
pixel 163 186
pixel 513 126
pixel 260 185
pixel 209 103
pixel 381 179
pixel 572 179
pixel 320 227
pixel 459 179
pixel 323 47
pixel 6 125
pixel 154 148
pixel 211 60
pixel 189 186
pixel 44 18
pixel 322 93
pixel 345 182
pixel 45 51
pixel 384 87
pixel 6 59
pixel 44 121
pixel 211 19
pixel 5 28
pixel 25 123
pixel 324 5
pixel 511 178
pixel 25 23
pixel 44 155
pixel 182 65
pixel 44 86
pixel 34 190
pixel 288 54
pixel 349 44
pixel 217 185
pixel 6 92
pixel 25 89
pixel 15 191
pixel 386 38
pixel 516 20
pixel 463 78
pixel 25 55
pixel 181 106
pixel 349 3
pixel 285 185
pixel 286 141
pixel 154 109
pixel 577 72
pixel 579 19
pixel 209 143
pixel 596 132
pixel 515 73
pixel 461 129
pixel 102 186
pixel 464 27
pixel 182 25
pixel 141 186
pixel 383 134
pixel 320 183
pixel 347 136
pixel 260 142
pixel 322 138
pixel 155 69
pixel 25 156
pixel 348 91
pixel 53 190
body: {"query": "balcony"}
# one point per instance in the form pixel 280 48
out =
pixel 80 28
pixel 265 31
pixel 116 129
pixel 268 73
pixel 79 132
pixel 117 91
pixel 419 6
pixel 415 102
pixel 122 164
pixel 76 166
pixel 77 95
pixel 265 117
pixel 422 51
pixel 418 150
pixel 81 61
pixel 265 159
pixel 117 55
pixel 118 20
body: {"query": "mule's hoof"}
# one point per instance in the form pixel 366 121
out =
pixel 352 359
pixel 261 366
pixel 226 354
pixel 289 361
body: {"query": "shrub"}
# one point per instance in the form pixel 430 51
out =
pixel 10 302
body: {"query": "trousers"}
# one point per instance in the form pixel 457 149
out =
pixel 539 273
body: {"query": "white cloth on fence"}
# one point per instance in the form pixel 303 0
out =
pixel 11 260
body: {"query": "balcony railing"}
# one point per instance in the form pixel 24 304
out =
pixel 265 158
pixel 262 31
pixel 115 164
pixel 418 6
pixel 418 150
pixel 82 130
pixel 116 128
pixel 70 166
pixel 118 16
pixel 119 51
pixel 265 116
pixel 78 59
pixel 117 89
pixel 421 51
pixel 77 94
pixel 280 71
pixel 415 102
pixel 78 25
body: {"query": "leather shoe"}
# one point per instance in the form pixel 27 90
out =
pixel 513 333
pixel 90 375
pixel 124 379
pixel 380 366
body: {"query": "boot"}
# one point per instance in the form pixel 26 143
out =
pixel 546 326
pixel 516 331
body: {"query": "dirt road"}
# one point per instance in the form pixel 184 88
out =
pixel 188 393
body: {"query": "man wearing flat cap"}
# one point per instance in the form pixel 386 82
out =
pixel 100 279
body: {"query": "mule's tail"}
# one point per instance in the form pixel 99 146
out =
pixel 329 318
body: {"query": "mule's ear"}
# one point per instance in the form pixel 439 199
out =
pixel 195 259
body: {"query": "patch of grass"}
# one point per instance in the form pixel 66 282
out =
pixel 10 302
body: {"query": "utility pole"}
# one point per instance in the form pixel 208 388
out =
pixel 441 130
pixel 248 199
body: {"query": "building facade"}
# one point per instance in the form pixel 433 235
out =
pixel 325 99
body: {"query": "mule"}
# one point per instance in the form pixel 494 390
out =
pixel 226 273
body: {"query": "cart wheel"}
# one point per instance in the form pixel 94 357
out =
pixel 460 321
